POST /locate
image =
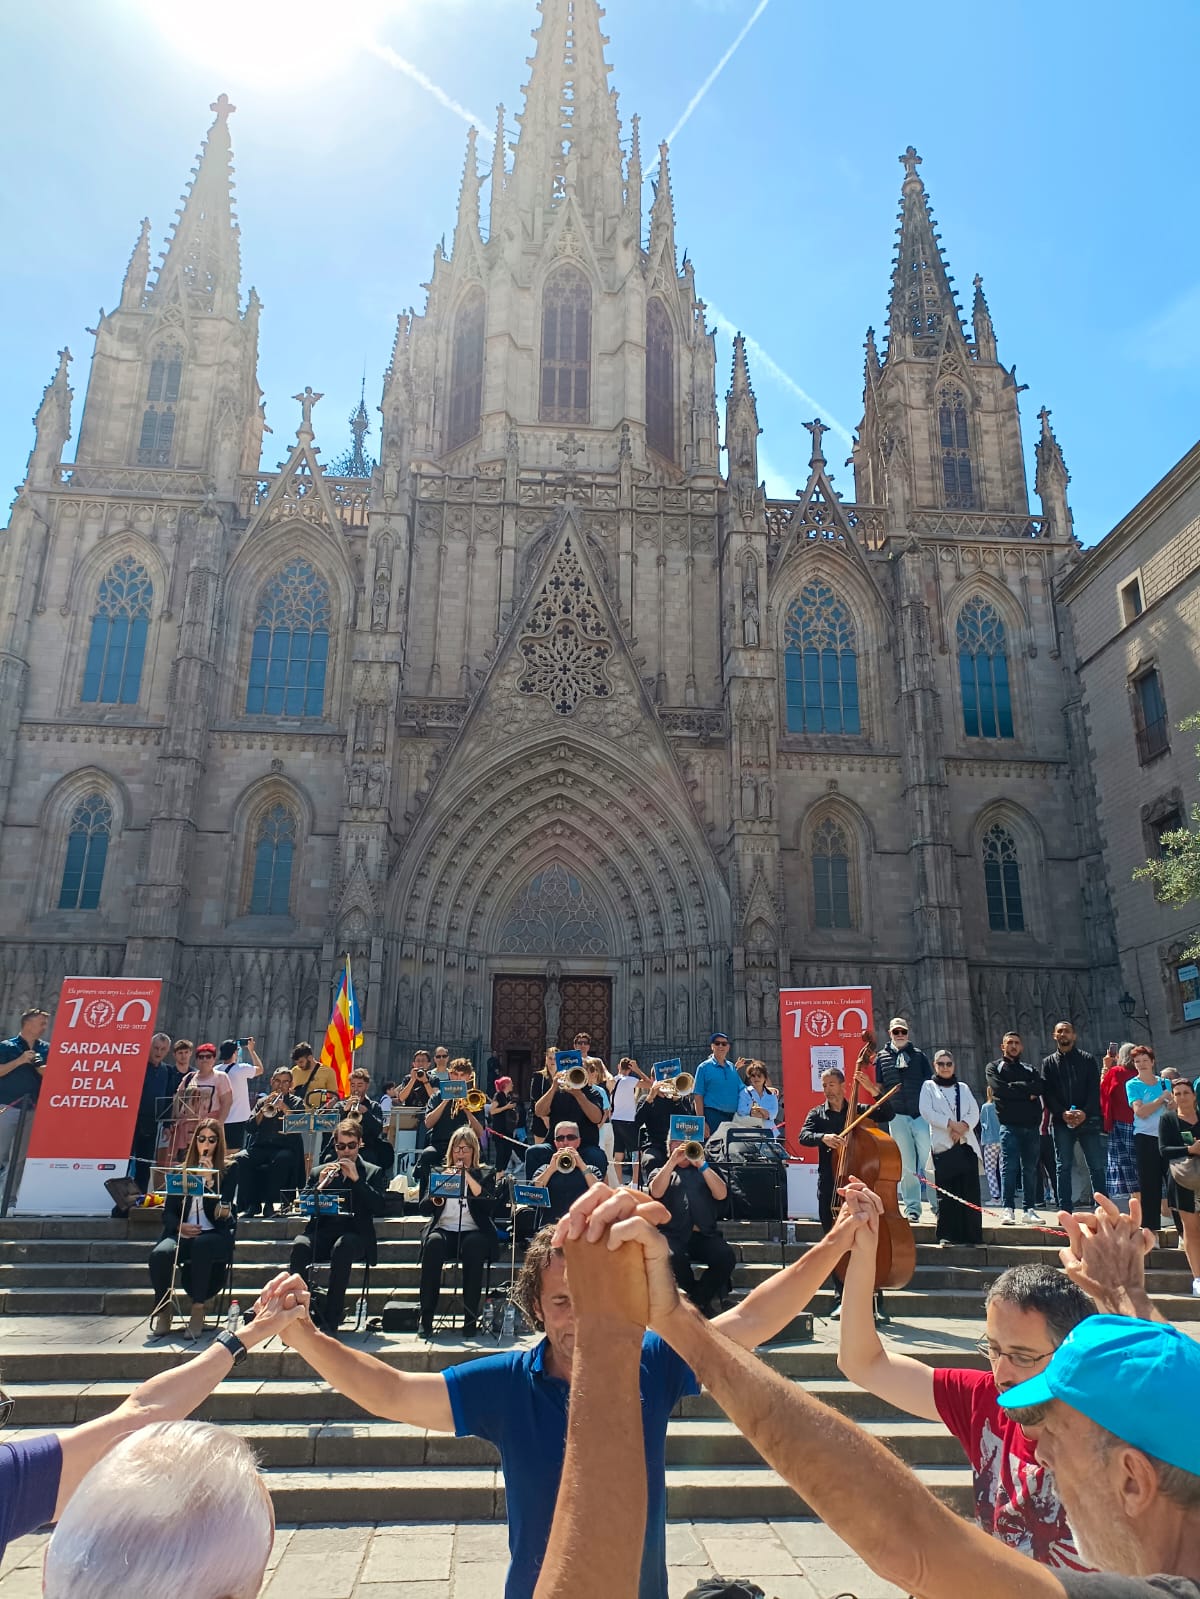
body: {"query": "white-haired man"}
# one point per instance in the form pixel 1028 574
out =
pixel 176 1509
pixel 39 1475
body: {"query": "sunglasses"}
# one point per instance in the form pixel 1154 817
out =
pixel 206 1054
pixel 346 1146
pixel 899 1032
pixel 566 1139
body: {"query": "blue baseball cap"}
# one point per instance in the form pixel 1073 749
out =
pixel 718 1038
pixel 1116 1371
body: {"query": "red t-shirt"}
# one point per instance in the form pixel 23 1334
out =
pixel 1015 1497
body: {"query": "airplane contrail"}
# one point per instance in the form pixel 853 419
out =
pixel 716 71
pixel 765 363
pixel 398 63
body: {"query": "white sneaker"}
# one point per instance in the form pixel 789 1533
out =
pixel 1031 1216
pixel 1196 1286
pixel 1008 1217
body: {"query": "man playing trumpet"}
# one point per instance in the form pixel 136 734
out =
pixel 691 1190
pixel 360 1107
pixel 443 1117
pixel 274 1160
pixel 348 1234
pixel 570 1098
pixel 567 1174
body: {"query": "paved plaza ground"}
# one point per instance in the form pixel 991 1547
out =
pixel 438 1560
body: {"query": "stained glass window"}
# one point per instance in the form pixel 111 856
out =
pixel 466 374
pixel 831 876
pixel 566 347
pixel 87 851
pixel 1002 881
pixel 112 672
pixel 660 380
pixel 955 434
pixel 821 663
pixel 290 650
pixel 983 671
pixel 274 851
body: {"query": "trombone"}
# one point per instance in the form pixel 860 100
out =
pixel 473 1103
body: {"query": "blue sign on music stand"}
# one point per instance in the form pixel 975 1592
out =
pixel 685 1127
pixel 454 1088
pixel 447 1185
pixel 665 1069
pixel 189 1183
pixel 295 1122
pixel 567 1060
pixel 325 1121
pixel 314 1204
pixel 530 1194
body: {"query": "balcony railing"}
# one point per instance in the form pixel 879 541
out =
pixel 1152 740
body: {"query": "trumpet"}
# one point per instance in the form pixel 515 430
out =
pixel 474 1103
pixel 328 1174
pixel 577 1077
pixel 678 1087
pixel 694 1149
pixel 566 1161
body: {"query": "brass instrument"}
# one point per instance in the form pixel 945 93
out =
pixel 577 1077
pixel 473 1103
pixel 328 1174
pixel 694 1149
pixel 677 1087
pixel 566 1161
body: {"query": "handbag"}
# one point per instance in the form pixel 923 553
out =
pixel 1185 1173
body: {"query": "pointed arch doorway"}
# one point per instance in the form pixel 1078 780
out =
pixel 524 1008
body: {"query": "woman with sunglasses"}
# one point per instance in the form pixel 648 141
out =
pixel 1179 1137
pixel 759 1100
pixel 460 1228
pixel 205 1092
pixel 197 1232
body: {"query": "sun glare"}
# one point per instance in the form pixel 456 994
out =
pixel 269 42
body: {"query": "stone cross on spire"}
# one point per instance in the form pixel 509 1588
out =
pixel 223 107
pixel 910 161
pixel 818 430
pixel 306 402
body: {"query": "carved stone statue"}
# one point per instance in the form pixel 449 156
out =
pixel 552 1006
pixel 681 1014
pixel 658 1016
pixel 754 999
pixel 356 784
pixel 766 797
pixel 449 1007
pixel 403 1001
pixel 362 718
pixel 426 1018
pixel 376 783
pixel 750 623
pixel 637 1005
pixel 379 727
pixel 380 602
pixel 749 796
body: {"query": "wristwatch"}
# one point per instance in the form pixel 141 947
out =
pixel 234 1344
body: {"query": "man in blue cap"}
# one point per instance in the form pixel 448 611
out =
pixel 718 1085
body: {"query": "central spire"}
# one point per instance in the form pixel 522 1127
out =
pixel 922 300
pixel 201 264
pixel 570 141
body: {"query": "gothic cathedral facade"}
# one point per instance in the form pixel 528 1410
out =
pixel 549 717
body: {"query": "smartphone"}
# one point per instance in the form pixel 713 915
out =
pixel 1112 1046
pixel 242 1042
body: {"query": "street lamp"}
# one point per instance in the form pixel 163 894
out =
pixel 1127 1005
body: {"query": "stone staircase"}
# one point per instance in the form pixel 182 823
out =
pixel 74 1295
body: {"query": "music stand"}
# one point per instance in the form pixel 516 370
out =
pixel 449 1185
pixel 312 1202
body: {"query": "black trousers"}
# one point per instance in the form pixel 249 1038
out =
pixel 1151 1169
pixel 202 1265
pixel 711 1251
pixel 472 1250
pixel 145 1141
pixel 956 1221
pixel 268 1172
pixel 341 1251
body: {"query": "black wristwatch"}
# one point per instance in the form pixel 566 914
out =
pixel 234 1344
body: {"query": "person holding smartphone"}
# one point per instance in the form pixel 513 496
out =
pixel 237 1059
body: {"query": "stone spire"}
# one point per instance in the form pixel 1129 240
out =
pixel 742 432
pixel 635 176
pixel 872 365
pixel 1051 479
pixel 922 301
pixel 499 176
pixel 985 333
pixel 662 213
pixel 202 265
pixel 52 424
pixel 570 135
pixel 133 289
pixel 467 223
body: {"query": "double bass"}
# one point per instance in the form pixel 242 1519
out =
pixel 873 1156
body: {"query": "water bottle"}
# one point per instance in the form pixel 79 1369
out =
pixel 509 1324
pixel 233 1321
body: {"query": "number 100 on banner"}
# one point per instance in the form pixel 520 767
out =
pixel 820 1028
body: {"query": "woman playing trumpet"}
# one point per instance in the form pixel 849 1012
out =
pixel 197 1237
pixel 460 1228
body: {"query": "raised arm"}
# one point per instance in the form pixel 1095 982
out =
pixel 767 1309
pixel 542 1107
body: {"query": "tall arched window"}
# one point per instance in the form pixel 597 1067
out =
pixel 158 419
pixel 983 671
pixel 660 380
pixel 821 663
pixel 87 851
pixel 1002 881
pixel 566 347
pixel 291 645
pixel 831 876
pixel 466 373
pixel 274 852
pixel 112 672
pixel 954 432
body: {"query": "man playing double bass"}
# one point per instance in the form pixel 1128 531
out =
pixel 822 1130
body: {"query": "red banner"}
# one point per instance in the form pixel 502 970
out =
pixel 820 1027
pixel 83 1125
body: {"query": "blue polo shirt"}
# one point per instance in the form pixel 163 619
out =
pixel 515 1403
pixel 30 1472
pixel 720 1087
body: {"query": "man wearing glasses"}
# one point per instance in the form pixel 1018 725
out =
pixel 901 1063
pixel 1030 1310
pixel 348 1235
pixel 565 1186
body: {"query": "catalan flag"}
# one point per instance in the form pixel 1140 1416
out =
pixel 344 1033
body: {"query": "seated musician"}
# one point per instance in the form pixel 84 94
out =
pixel 692 1190
pixel 568 1172
pixel 273 1160
pixel 348 1235
pixel 653 1118
pixel 197 1238
pixel 822 1131
pixel 460 1228
pixel 359 1106
pixel 561 1103
pixel 443 1117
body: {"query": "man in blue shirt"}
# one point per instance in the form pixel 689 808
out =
pixel 22 1063
pixel 718 1085
pixel 518 1399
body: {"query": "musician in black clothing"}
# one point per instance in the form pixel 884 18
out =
pixel 197 1235
pixel 273 1160
pixel 349 1235
pixel 653 1121
pixel 692 1190
pixel 359 1106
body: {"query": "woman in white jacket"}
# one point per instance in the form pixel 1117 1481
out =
pixel 949 1107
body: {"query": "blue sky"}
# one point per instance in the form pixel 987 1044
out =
pixel 1058 152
